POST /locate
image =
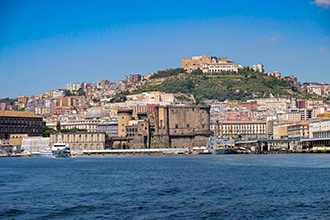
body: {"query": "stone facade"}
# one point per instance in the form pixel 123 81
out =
pixel 79 141
pixel 209 64
pixel 180 126
pixel 124 116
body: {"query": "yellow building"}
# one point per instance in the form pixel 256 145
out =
pixel 280 131
pixel 80 141
pixel 16 139
pixel 299 130
pixel 124 116
pixel 22 102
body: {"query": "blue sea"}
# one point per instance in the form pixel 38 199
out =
pixel 282 186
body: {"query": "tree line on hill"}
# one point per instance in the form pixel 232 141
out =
pixel 244 85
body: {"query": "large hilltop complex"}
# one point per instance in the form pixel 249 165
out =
pixel 212 64
pixel 105 115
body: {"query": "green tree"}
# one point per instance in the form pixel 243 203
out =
pixel 197 72
pixel 58 126
pixel 47 131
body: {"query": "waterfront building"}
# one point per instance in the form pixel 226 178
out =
pixel 319 134
pixel 19 122
pixel 298 130
pixel 319 128
pixel 280 131
pixel 35 144
pixel 80 141
pixel 180 126
pixel 124 116
pixel 16 139
pixel 242 129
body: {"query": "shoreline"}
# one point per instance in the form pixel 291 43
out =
pixel 115 154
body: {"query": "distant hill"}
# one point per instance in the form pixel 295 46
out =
pixel 244 85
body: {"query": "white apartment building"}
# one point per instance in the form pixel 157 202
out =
pixel 75 86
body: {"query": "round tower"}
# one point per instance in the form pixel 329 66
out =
pixel 124 116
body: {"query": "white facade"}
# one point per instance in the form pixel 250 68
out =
pixel 35 144
pixel 319 128
pixel 109 127
pixel 90 124
pixel 75 86
pixel 219 67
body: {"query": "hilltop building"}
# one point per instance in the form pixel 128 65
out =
pixel 75 86
pixel 258 68
pixel 209 64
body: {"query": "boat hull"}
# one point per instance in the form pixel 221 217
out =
pixel 224 151
pixel 61 153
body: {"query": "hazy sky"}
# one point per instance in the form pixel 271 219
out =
pixel 46 44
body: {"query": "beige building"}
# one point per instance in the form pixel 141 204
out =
pixel 272 104
pixel 209 64
pixel 289 117
pixel 280 131
pixel 16 139
pixel 298 130
pixel 80 141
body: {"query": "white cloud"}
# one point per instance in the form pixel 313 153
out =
pixel 322 3
pixel 273 38
pixel 322 49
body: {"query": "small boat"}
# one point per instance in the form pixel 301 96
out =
pixel 61 150
pixel 43 153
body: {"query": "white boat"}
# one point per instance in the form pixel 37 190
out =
pixel 47 152
pixel 61 150
pixel 220 146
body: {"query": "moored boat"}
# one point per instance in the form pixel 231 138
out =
pixel 47 152
pixel 220 146
pixel 61 150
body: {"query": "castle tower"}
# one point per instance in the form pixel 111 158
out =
pixel 124 116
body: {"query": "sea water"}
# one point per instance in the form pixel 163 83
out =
pixel 284 186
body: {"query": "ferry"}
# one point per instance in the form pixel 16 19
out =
pixel 61 150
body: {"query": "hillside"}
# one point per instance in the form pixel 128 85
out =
pixel 244 85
